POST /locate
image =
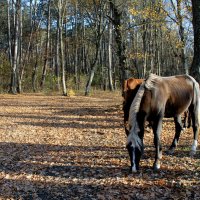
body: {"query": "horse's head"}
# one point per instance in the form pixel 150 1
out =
pixel 130 87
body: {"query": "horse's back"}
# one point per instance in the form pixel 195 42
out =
pixel 170 95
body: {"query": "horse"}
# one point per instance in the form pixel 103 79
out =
pixel 160 97
pixel 130 88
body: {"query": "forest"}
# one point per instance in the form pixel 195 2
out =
pixel 63 118
pixel 67 45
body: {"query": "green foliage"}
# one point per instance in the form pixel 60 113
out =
pixel 97 81
pixel 51 82
pixel 5 71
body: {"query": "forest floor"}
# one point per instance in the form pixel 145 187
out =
pixel 55 147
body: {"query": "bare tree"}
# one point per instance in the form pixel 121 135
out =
pixel 14 73
pixel 121 47
pixel 61 9
pixel 46 56
pixel 57 56
pixel 34 38
pixel 179 21
pixel 110 52
pixel 9 33
pixel 195 68
pixel 20 54
pixel 99 27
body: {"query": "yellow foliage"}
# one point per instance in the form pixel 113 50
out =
pixel 134 12
pixel 148 12
pixel 179 45
pixel 71 93
pixel 136 55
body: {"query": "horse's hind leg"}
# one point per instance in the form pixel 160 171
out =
pixel 195 126
pixel 178 129
pixel 157 128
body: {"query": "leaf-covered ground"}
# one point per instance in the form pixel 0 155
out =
pixel 54 147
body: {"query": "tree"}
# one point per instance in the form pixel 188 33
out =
pixel 9 34
pixel 97 24
pixel 179 20
pixel 46 56
pixel 195 68
pixel 110 52
pixel 61 7
pixel 34 38
pixel 15 53
pixel 121 47
pixel 103 40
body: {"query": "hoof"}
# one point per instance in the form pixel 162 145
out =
pixel 170 152
pixel 192 153
pixel 156 167
pixel 160 155
pixel 133 170
pixel 183 129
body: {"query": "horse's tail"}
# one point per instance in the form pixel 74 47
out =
pixel 196 98
pixel 196 112
pixel 197 94
pixel 133 123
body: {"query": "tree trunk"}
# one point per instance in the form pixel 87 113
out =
pixel 20 55
pixel 76 51
pixel 92 71
pixel 13 88
pixel 195 68
pixel 144 42
pixel 60 23
pixel 34 74
pixel 182 37
pixel 9 35
pixel 57 58
pixel 88 86
pixel 110 57
pixel 9 40
pixel 98 33
pixel 117 15
pixel 44 71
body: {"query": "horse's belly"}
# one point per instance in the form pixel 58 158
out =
pixel 174 110
pixel 169 114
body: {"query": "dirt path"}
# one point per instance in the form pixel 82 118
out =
pixel 54 147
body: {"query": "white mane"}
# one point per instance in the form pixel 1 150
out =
pixel 152 80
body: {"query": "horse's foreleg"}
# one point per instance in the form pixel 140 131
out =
pixel 126 128
pixel 157 128
pixel 126 108
pixel 178 129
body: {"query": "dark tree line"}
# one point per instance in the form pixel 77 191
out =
pixel 59 45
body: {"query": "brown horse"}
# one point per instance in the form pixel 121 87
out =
pixel 130 89
pixel 160 97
